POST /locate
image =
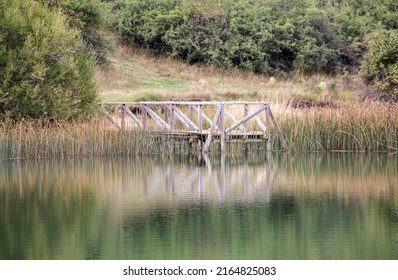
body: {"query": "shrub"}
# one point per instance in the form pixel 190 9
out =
pixel 44 70
pixel 380 65
pixel 267 36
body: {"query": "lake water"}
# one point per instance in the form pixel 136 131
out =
pixel 319 206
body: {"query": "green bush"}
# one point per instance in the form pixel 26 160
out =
pixel 44 70
pixel 380 65
pixel 267 36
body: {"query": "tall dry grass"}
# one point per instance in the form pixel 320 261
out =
pixel 354 127
pixel 29 139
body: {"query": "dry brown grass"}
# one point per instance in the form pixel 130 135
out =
pixel 135 74
pixel 88 138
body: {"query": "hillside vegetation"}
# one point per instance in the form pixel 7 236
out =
pixel 274 37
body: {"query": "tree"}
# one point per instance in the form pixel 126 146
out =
pixel 88 17
pixel 44 70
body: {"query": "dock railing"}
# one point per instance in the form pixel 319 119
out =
pixel 208 120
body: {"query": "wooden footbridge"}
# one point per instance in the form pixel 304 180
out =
pixel 199 121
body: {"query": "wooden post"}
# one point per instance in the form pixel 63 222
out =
pixel 204 117
pixel 185 120
pixel 191 115
pixel 232 118
pixel 279 131
pixel 123 120
pixel 156 117
pixel 166 113
pixel 222 129
pixel 135 119
pixel 261 125
pixel 268 132
pixel 246 112
pixel 172 120
pixel 200 126
pixel 213 125
pixel 144 117
pixel 110 119
pixel 200 118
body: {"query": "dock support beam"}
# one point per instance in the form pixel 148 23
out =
pixel 123 120
pixel 222 129
pixel 268 134
pixel 213 125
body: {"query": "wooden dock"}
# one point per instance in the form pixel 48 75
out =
pixel 201 121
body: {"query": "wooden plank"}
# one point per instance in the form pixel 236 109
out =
pixel 157 119
pixel 232 118
pixel 110 118
pixel 245 119
pixel 183 103
pixel 191 113
pixel 279 131
pixel 144 116
pixel 246 113
pixel 241 140
pixel 166 113
pixel 222 129
pixel 180 118
pixel 191 124
pixel 260 124
pixel 133 117
pixel 172 118
pixel 215 121
pixel 204 116
pixel 123 119
pixel 200 117
pixel 268 133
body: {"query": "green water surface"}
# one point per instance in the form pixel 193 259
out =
pixel 323 206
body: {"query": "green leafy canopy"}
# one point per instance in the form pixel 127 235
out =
pixel 44 69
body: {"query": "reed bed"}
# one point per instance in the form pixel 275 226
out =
pixel 362 127
pixel 92 138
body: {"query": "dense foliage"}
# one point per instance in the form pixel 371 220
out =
pixel 381 63
pixel 44 69
pixel 265 36
pixel 88 17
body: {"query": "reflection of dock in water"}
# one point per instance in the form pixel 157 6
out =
pixel 210 181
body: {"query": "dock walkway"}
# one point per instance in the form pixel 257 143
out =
pixel 201 121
